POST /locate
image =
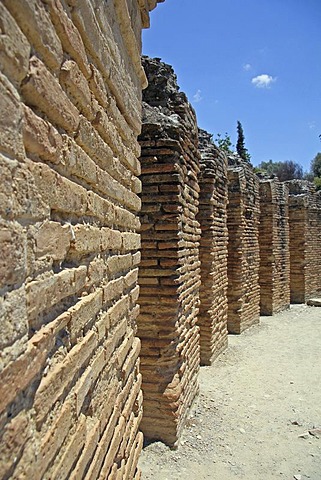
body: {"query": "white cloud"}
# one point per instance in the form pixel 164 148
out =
pixel 312 125
pixel 263 81
pixel 197 97
pixel 247 67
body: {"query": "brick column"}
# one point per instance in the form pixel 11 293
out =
pixel 212 216
pixel 243 248
pixel 169 276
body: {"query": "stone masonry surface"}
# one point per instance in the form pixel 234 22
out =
pixel 243 263
pixel 212 216
pixel 274 247
pixel 305 240
pixel 169 276
pixel 70 93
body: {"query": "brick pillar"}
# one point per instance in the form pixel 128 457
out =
pixel 169 276
pixel 274 247
pixel 212 217
pixel 305 244
pixel 243 248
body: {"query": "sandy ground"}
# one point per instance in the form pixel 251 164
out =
pixel 256 406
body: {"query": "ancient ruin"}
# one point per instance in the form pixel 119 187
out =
pixel 169 275
pixel 243 214
pixel 305 243
pixel 106 204
pixel 274 247
pixel 212 216
pixel 71 87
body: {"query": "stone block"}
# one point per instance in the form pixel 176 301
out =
pixel 13 246
pixel 14 49
pixel 68 34
pixel 76 85
pixel 41 138
pixel 11 116
pixel 53 240
pixel 19 196
pixel 42 90
pixel 34 20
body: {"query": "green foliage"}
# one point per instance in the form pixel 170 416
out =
pixel 316 165
pixel 224 143
pixel 240 145
pixel 317 182
pixel 287 170
pixel 315 171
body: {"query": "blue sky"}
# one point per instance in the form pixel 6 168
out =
pixel 257 61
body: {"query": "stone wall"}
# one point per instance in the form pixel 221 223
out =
pixel 212 217
pixel 274 247
pixel 70 88
pixel 169 276
pixel 305 243
pixel 243 263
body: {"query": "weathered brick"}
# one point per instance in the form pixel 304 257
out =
pixel 109 133
pixel 113 289
pixel 52 441
pixel 42 90
pixel 119 263
pixel 84 312
pixel 88 239
pixel 53 239
pixel 53 385
pixel 71 450
pixel 30 362
pixel 89 139
pixel 62 195
pixel 97 86
pixel 14 48
pixel 14 325
pixel 91 441
pixel 75 83
pixel 11 115
pixel 90 375
pixel 69 203
pixel 34 21
pixel 43 294
pixel 68 34
pixel 15 435
pixel 99 47
pixel 19 197
pixel 41 138
pixel 13 244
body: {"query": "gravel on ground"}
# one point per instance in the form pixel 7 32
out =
pixel 258 414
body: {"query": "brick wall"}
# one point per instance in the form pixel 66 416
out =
pixel 70 88
pixel 274 247
pixel 169 276
pixel 243 263
pixel 212 216
pixel 305 243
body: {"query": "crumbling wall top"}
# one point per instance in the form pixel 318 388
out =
pixel 163 104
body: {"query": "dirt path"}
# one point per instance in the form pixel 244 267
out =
pixel 255 402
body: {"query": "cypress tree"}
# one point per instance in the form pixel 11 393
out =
pixel 240 147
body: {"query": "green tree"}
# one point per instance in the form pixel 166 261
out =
pixel 224 143
pixel 240 145
pixel 287 170
pixel 316 165
pixel 316 170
